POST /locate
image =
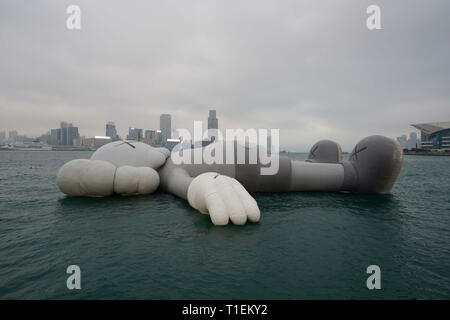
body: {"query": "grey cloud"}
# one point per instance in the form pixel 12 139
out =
pixel 310 68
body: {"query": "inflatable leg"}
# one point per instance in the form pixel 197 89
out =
pixel 373 167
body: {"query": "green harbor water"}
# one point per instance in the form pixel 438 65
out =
pixel 306 246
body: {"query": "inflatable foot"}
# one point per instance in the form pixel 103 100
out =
pixel 325 151
pixel 373 166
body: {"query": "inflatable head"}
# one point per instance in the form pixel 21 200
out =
pixel 131 153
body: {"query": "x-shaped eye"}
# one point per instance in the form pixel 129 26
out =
pixel 126 142
pixel 356 151
pixel 314 150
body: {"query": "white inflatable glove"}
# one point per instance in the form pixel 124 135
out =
pixel 135 180
pixel 223 198
pixel 89 178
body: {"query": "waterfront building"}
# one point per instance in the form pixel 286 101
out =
pixel 12 136
pixel 2 137
pixel 434 135
pixel 171 143
pixel 54 137
pixel 213 126
pixel 134 134
pixel 159 137
pixel 72 133
pixel 403 141
pixel 165 125
pixel 111 131
pixel 99 141
pixel 65 135
pixel 150 137
pixel 412 141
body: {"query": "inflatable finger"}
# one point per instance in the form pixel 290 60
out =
pixel 216 209
pixel 235 208
pixel 250 205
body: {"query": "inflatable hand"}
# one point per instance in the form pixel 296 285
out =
pixel 223 198
pixel 97 178
pixel 131 153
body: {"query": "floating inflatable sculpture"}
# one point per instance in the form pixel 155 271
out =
pixel 223 190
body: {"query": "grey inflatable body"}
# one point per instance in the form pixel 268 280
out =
pixel 222 190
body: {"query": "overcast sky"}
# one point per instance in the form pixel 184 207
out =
pixel 309 68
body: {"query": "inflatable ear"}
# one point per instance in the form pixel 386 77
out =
pixel 130 153
pixel 135 180
pixel 82 177
pixel 373 165
pixel 325 151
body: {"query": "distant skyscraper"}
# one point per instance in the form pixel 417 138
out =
pixel 72 134
pixel 213 125
pixel 159 138
pixel 111 131
pixel 12 136
pixel 65 135
pixel 134 134
pixel 54 136
pixel 402 140
pixel 165 126
pixel 412 142
pixel 150 137
pixel 2 137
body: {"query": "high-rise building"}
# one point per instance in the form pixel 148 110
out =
pixel 412 142
pixel 12 136
pixel 150 137
pixel 159 137
pixel 54 137
pixel 65 135
pixel 402 140
pixel 213 125
pixel 111 131
pixel 165 127
pixel 134 134
pixel 2 137
pixel 72 134
pixel 65 125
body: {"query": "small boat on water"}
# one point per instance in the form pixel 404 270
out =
pixel 34 146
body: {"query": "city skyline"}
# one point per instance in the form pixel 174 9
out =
pixel 311 69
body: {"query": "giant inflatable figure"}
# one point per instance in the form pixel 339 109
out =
pixel 223 190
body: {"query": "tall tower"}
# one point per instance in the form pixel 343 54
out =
pixel 111 131
pixel 165 127
pixel 213 125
